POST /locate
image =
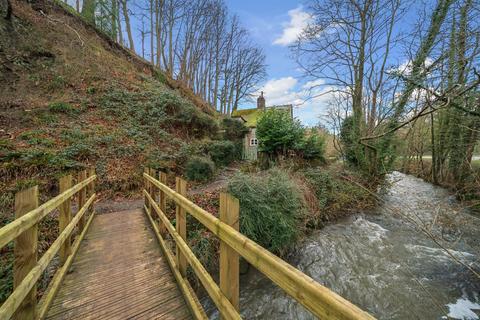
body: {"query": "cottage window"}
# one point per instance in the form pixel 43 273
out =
pixel 253 142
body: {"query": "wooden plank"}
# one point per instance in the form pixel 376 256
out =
pixel 54 285
pixel 18 226
pixel 229 259
pixel 321 301
pixel 223 304
pixel 181 225
pixel 65 217
pixel 82 195
pixel 162 202
pixel 15 299
pixel 25 252
pixel 118 273
pixel 190 296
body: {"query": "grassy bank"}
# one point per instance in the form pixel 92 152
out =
pixel 467 192
pixel 280 206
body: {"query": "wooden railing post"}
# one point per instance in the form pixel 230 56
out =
pixel 65 217
pixel 91 186
pixel 82 198
pixel 162 198
pixel 153 174
pixel 145 186
pixel 181 224
pixel 25 251
pixel 229 259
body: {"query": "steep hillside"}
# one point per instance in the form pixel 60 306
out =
pixel 71 98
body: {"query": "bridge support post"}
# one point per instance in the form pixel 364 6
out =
pixel 229 260
pixel 65 217
pixel 25 252
pixel 162 198
pixel 181 225
pixel 82 196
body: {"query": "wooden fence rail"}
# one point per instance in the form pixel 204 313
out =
pixel 22 304
pixel 318 299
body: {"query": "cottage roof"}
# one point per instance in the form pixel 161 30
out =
pixel 250 116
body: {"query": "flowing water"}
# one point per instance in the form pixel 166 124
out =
pixel 382 261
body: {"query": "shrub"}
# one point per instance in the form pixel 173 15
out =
pixel 78 151
pixel 233 129
pixel 312 147
pixel 199 169
pixel 222 152
pixel 36 137
pixel 269 208
pixel 61 107
pixel 154 107
pixel 277 132
pixel 335 193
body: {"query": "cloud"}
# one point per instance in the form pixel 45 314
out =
pixel 405 68
pixel 280 91
pixel 299 19
pixel 314 84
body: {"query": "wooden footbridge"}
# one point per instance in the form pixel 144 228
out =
pixel 120 265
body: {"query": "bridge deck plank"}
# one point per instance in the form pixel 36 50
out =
pixel 119 273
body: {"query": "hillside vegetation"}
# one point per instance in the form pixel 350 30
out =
pixel 71 98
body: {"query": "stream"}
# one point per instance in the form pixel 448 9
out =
pixel 382 262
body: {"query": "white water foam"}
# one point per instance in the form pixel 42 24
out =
pixel 463 309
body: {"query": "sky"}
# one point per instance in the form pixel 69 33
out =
pixel 274 25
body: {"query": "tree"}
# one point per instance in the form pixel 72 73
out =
pixel 88 11
pixel 349 44
pixel 278 133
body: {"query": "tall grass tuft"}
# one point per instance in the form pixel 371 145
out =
pixel 270 208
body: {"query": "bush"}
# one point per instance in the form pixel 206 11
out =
pixel 335 193
pixel 154 107
pixel 61 107
pixel 312 147
pixel 269 208
pixel 233 129
pixel 222 152
pixel 277 132
pixel 199 169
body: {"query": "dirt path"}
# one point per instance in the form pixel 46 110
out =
pixel 220 181
pixel 122 204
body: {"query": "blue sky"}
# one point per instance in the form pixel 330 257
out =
pixel 274 25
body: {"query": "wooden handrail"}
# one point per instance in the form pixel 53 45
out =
pixel 16 298
pixel 27 270
pixel 319 300
pixel 20 225
pixel 225 307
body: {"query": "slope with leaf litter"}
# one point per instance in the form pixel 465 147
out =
pixel 70 98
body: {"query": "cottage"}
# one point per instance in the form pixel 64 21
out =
pixel 250 117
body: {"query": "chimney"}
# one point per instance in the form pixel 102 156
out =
pixel 261 102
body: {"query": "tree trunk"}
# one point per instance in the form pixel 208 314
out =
pixel 127 25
